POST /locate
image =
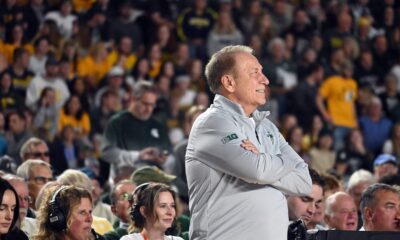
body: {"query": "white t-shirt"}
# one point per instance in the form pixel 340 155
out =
pixel 138 236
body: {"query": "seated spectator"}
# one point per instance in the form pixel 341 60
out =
pixel 26 224
pixel 341 212
pixel 38 60
pixel 392 145
pixel 223 33
pixel 78 179
pixel 46 117
pixel 95 66
pixel 322 156
pixel 120 206
pixel 153 212
pixel 9 213
pixel 9 99
pixel 65 213
pixel 74 115
pixel 64 18
pixel 17 135
pixel 331 185
pixel 385 164
pixel 65 151
pixel 36 173
pixel 114 82
pixel 35 148
pixel 303 207
pixel 380 208
pixel 123 56
pixel 375 127
pixel 49 79
pixel 357 183
pixel 354 155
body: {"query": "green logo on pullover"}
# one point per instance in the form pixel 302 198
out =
pixel 229 138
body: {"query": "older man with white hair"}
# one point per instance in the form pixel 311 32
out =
pixel 341 212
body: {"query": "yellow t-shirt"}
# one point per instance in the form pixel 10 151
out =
pixel 340 94
pixel 88 67
pixel 128 63
pixel 82 5
pixel 81 126
pixel 101 225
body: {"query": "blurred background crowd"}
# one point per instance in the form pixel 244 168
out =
pixel 67 66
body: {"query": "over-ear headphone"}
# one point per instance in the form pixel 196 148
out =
pixel 135 210
pixel 57 218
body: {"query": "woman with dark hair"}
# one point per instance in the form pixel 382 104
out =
pixel 9 212
pixel 65 152
pixel 46 117
pixel 73 114
pixel 153 212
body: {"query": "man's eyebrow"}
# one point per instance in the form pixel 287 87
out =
pixel 307 199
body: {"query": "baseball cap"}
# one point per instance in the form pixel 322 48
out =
pixel 385 158
pixel 116 71
pixel 151 174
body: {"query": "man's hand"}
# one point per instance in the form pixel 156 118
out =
pixel 248 145
pixel 152 154
pixel 149 154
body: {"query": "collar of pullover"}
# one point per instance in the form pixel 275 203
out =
pixel 234 108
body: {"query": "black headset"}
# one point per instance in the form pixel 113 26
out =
pixel 57 218
pixel 135 210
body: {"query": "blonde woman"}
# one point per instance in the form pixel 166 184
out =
pixel 65 213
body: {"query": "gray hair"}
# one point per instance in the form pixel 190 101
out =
pixel 24 170
pixel 28 146
pixel 332 199
pixel 142 87
pixel 222 62
pixel 370 194
pixel 276 41
pixel 360 176
pixel 75 178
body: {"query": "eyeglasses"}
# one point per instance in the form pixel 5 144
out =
pixel 125 197
pixel 25 199
pixel 42 180
pixel 40 154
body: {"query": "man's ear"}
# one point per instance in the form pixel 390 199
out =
pixel 228 83
pixel 368 213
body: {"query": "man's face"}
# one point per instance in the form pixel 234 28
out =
pixel 40 151
pixel 304 207
pixel 17 125
pixel 122 205
pixel 384 170
pixel 23 197
pixel 344 214
pixel 250 84
pixel 357 190
pixel 385 214
pixel 144 106
pixel 39 175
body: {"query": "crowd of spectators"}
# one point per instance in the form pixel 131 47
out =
pixel 67 66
